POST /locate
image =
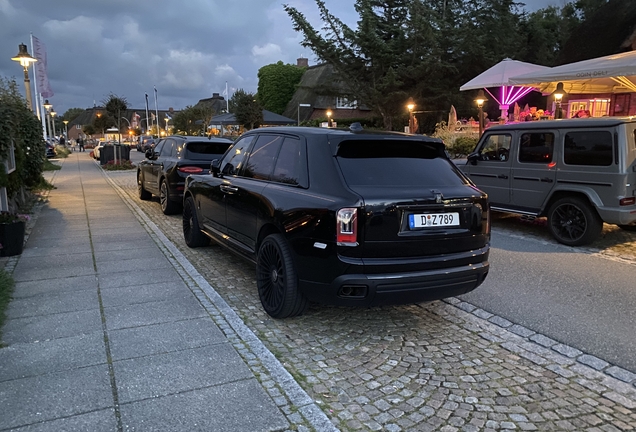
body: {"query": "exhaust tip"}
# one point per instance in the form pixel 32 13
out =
pixel 353 291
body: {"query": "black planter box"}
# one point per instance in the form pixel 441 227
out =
pixel 12 238
pixel 107 153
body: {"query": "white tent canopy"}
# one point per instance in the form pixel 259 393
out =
pixel 499 76
pixel 610 74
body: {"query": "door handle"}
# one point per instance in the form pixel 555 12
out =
pixel 502 176
pixel 547 180
pixel 229 189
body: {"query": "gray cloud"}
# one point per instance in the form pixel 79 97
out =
pixel 188 49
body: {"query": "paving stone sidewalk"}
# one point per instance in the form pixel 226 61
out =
pixel 437 366
pixel 108 330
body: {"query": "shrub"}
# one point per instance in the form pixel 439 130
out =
pixel 119 166
pixel 61 151
pixel 458 143
pixel 463 145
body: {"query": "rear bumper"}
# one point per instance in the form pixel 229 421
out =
pixel 617 215
pixel 396 288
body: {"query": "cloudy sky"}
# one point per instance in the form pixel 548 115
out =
pixel 187 49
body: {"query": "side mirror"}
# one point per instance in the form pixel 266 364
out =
pixel 149 153
pixel 473 158
pixel 215 167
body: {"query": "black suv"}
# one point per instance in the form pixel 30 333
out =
pixel 167 165
pixel 344 217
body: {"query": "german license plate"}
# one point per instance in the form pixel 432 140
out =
pixel 430 220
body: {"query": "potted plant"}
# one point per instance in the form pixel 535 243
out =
pixel 12 233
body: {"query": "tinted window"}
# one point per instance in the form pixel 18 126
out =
pixel 262 157
pixel 231 163
pixel 159 147
pixel 536 147
pixel 288 165
pixel 395 163
pixel 204 150
pixel 496 148
pixel 168 148
pixel 588 148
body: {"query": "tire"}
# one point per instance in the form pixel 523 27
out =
pixel 168 206
pixel 277 280
pixel 192 234
pixel 144 195
pixel 574 222
pixel 628 227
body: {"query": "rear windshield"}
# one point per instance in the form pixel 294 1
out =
pixel 205 150
pixel 396 163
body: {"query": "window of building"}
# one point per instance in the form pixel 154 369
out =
pixel 78 126
pixel 595 107
pixel 588 148
pixel 344 103
pixel 536 147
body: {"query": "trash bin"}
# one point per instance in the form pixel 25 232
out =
pixel 107 153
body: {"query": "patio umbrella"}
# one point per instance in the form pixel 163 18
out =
pixel 499 76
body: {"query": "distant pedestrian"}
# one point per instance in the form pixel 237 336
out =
pixel 62 141
pixel 80 142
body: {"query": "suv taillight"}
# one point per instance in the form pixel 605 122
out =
pixel 627 201
pixel 190 170
pixel 347 227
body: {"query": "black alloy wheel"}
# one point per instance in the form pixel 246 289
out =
pixel 144 195
pixel 573 222
pixel 167 205
pixel 277 280
pixel 192 234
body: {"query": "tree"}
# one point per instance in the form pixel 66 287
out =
pixel 247 110
pixel 277 84
pixel 193 120
pixel 115 105
pixel 22 130
pixel 72 113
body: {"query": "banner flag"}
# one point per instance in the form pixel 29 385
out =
pixel 39 52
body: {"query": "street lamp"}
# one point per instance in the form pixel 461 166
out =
pixel 47 107
pixel 329 120
pixel 480 99
pixel 53 114
pixel 167 120
pixel 24 58
pixel 65 127
pixel 411 105
pixel 558 98
pixel 301 105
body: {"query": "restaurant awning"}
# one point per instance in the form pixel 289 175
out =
pixel 499 76
pixel 610 74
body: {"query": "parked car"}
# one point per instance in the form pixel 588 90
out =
pixel 98 146
pixel 345 217
pixel 145 142
pixel 579 173
pixel 166 166
pixel 50 150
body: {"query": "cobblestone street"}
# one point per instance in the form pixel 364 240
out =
pixel 442 366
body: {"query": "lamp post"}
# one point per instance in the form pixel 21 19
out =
pixel 65 128
pixel 329 120
pixel 47 108
pixel 299 106
pixel 480 99
pixel 167 120
pixel 53 114
pixel 558 98
pixel 24 58
pixel 411 105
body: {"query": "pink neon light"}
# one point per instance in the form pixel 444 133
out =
pixel 510 94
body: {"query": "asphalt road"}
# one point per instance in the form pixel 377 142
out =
pixel 580 299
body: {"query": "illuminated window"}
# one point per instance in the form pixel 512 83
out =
pixel 596 107
pixel 344 103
